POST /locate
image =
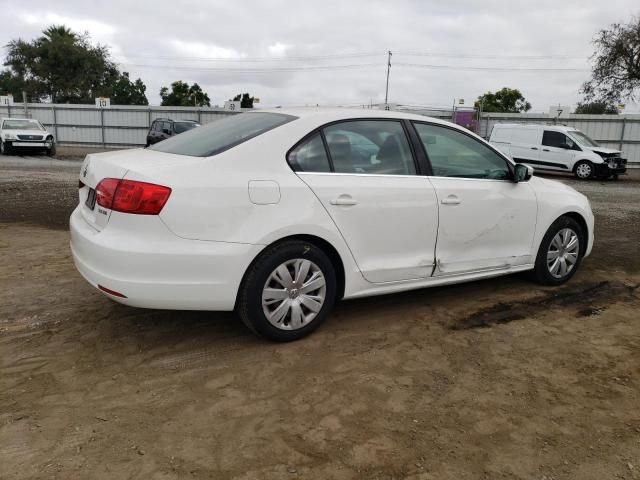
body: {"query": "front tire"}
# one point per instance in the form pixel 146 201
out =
pixel 288 291
pixel 560 252
pixel 584 170
pixel 4 149
pixel 51 151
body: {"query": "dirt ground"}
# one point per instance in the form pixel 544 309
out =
pixel 494 379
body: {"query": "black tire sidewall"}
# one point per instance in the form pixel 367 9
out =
pixel 541 271
pixel 250 299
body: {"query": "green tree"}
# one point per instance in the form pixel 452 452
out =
pixel 126 92
pixel 246 101
pixel 597 108
pixel 506 100
pixel 184 95
pixel 615 74
pixel 61 66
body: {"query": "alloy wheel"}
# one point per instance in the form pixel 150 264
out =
pixel 294 294
pixel 563 252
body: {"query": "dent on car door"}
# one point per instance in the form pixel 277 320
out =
pixel 486 221
pixel 366 180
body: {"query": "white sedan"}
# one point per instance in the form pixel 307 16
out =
pixel 278 214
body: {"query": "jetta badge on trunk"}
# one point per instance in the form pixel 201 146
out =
pixel 84 174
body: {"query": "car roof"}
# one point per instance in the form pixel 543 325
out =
pixel 557 128
pixel 322 115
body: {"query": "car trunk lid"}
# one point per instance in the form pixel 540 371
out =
pixel 97 167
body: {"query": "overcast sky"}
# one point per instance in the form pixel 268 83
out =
pixel 334 52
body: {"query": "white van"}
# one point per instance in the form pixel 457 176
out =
pixel 556 148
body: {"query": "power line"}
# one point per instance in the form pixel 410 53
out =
pixel 491 56
pixel 309 58
pixel 496 69
pixel 255 70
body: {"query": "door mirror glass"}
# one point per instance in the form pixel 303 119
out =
pixel 566 146
pixel 523 172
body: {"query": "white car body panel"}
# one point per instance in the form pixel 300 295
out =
pixel 484 224
pixel 399 248
pixel 225 209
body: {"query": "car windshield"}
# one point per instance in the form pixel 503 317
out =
pixel 180 127
pixel 582 139
pixel 221 135
pixel 21 124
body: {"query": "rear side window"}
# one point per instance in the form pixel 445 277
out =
pixel 310 156
pixel 370 146
pixel 221 135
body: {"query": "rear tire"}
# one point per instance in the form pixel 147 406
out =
pixel 584 169
pixel 288 291
pixel 558 258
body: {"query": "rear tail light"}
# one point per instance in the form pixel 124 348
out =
pixel 129 196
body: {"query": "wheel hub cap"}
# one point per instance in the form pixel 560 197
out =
pixel 293 294
pixel 563 253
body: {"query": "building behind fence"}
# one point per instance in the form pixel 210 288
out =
pixel 127 126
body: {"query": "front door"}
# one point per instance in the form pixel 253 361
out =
pixel 487 222
pixel 368 183
pixel 558 151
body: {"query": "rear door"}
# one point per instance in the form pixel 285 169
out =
pixel 525 145
pixel 486 221
pixel 367 180
pixel 558 151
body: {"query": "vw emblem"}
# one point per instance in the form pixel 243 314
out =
pixel 84 174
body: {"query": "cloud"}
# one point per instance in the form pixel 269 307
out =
pixel 231 47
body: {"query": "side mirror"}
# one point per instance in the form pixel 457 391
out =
pixel 166 131
pixel 523 172
pixel 566 146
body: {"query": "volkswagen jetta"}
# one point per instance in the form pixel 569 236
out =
pixel 277 214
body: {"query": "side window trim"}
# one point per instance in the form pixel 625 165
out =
pixel 510 165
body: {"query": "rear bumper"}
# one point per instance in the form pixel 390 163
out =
pixel 139 257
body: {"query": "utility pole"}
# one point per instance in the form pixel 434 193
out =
pixel 386 93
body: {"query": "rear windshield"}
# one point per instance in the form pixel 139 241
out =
pixel 180 127
pixel 221 135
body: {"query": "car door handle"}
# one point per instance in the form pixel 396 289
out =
pixel 534 148
pixel 450 200
pixel 545 150
pixel 344 200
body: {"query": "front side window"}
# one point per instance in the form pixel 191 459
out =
pixel 221 135
pixel 310 156
pixel 369 146
pixel 584 139
pixel 551 138
pixel 455 154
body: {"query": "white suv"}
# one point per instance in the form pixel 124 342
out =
pixel 557 148
pixel 25 133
